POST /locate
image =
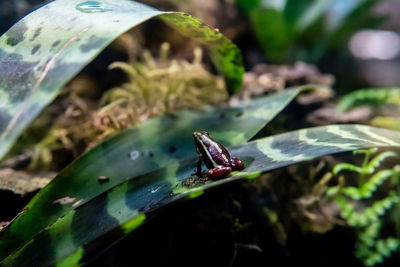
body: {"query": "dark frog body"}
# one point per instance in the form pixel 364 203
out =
pixel 215 156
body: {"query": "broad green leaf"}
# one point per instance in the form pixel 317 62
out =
pixel 44 50
pixel 151 145
pixel 96 225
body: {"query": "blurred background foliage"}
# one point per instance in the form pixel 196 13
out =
pixel 306 29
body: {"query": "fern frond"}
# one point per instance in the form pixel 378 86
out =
pixel 371 232
pixel 386 246
pixel 371 214
pixel 346 167
pixel 368 97
pixel 346 208
pixel 368 188
pixel 374 255
pixel 369 248
pixel 376 161
pixel 377 209
pixel 332 190
pixel 368 151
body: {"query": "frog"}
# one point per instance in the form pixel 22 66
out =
pixel 215 156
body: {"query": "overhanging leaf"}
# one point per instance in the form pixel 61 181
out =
pixel 96 225
pixel 151 145
pixel 44 50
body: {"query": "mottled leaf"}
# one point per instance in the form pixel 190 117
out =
pixel 151 145
pixel 93 227
pixel 44 50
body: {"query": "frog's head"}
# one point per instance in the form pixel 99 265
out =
pixel 199 136
pixel 201 139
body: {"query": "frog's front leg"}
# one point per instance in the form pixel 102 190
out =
pixel 219 172
pixel 198 172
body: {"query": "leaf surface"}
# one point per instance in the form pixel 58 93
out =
pixel 82 234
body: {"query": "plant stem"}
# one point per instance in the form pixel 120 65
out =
pixel 364 169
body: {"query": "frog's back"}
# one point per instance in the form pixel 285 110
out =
pixel 220 155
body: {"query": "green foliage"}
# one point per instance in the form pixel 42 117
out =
pixel 270 28
pixel 368 188
pixel 370 247
pixel 306 29
pixel 248 5
pixel 368 166
pixel 377 98
pixel 369 214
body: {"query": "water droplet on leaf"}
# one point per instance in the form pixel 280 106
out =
pixel 64 200
pixel 133 155
pixel 91 7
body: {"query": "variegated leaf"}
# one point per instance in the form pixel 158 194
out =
pixel 83 233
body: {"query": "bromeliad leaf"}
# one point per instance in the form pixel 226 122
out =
pixel 139 151
pixel 43 51
pixel 94 226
